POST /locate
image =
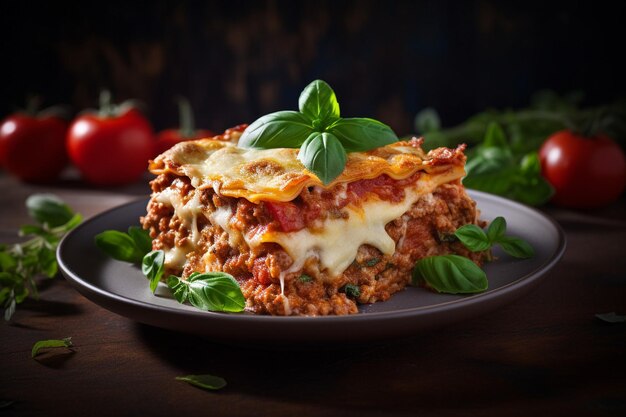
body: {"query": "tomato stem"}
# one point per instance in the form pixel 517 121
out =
pixel 185 115
pixel 107 109
pixel 32 105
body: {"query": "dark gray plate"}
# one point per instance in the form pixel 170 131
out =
pixel 121 287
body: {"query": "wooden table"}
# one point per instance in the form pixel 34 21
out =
pixel 545 354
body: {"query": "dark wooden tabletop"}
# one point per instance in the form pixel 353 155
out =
pixel 544 354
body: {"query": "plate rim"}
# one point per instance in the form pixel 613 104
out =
pixel 505 292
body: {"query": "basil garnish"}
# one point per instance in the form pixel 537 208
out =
pixel 209 291
pixel 475 239
pixel 322 136
pixel 450 274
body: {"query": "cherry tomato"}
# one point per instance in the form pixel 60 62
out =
pixel 585 172
pixel 112 149
pixel 170 137
pixel 33 147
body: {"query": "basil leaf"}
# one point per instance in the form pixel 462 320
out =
pixel 473 238
pixel 7 262
pixel 179 288
pixel 318 102
pixel 496 229
pixel 451 274
pixel 215 291
pixel 283 129
pixel 323 155
pixel 119 246
pixel 206 381
pixel 359 134
pixel 48 262
pixel 516 247
pixel 52 343
pixel 142 239
pixel 48 209
pixel 152 267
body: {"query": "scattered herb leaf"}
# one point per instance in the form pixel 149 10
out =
pixel 611 317
pixel 352 291
pixel 318 130
pixel 372 262
pixel 450 274
pixel 21 263
pixel 51 343
pixel 209 291
pixel 305 278
pixel 209 382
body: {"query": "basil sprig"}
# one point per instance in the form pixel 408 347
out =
pixel 475 239
pixel 209 291
pixel 128 247
pixel 322 135
pixel 452 274
pixel 152 267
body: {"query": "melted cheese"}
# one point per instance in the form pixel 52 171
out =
pixel 278 175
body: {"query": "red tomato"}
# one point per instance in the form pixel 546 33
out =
pixel 111 150
pixel 33 148
pixel 585 172
pixel 287 214
pixel 170 137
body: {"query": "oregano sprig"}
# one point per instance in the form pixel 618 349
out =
pixel 324 138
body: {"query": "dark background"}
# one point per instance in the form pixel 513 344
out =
pixel 236 60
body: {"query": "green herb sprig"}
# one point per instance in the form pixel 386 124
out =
pixel 324 138
pixel 475 239
pixel 21 263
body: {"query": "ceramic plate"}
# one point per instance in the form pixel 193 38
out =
pixel 121 287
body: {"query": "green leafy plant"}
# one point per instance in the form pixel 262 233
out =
pixel 51 343
pixel 206 381
pixel 494 167
pixel 22 263
pixel 475 239
pixel 450 274
pixel 324 138
pixel 209 291
pixel 129 247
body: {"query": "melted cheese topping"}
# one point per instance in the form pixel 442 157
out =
pixel 277 174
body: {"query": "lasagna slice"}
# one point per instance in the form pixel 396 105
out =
pixel 295 246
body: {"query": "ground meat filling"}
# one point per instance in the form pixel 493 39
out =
pixel 426 229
